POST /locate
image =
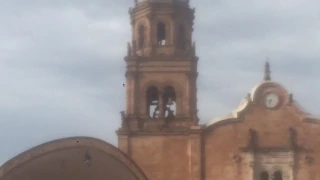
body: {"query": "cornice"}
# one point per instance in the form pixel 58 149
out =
pixel 161 58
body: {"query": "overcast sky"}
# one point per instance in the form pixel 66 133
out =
pixel 62 68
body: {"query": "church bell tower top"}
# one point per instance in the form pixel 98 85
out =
pixel 162 28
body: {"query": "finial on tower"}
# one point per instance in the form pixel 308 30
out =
pixel 267 76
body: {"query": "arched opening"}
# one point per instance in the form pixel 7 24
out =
pixel 161 33
pixel 181 37
pixel 153 102
pixel 264 176
pixel 169 99
pixel 277 175
pixel 141 37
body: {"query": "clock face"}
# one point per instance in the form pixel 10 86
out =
pixel 271 100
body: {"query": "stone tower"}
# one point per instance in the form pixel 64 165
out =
pixel 161 101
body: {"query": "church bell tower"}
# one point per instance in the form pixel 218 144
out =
pixel 161 93
pixel 161 67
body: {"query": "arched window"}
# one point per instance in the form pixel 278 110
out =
pixel 141 37
pixel 264 176
pixel 277 175
pixel 161 33
pixel 153 102
pixel 181 37
pixel 169 99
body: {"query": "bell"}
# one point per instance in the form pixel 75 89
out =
pixel 154 103
pixel 169 101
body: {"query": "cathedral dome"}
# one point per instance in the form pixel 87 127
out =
pixel 72 158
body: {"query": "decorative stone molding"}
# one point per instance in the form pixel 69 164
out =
pixel 132 21
pixel 130 11
pixel 129 49
pixel 72 142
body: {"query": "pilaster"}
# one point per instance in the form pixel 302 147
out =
pixel 196 153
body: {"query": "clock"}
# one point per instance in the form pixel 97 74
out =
pixel 271 100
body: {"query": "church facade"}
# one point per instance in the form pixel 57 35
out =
pixel 267 137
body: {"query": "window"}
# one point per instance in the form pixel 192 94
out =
pixel 161 33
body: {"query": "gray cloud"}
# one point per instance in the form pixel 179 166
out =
pixel 62 68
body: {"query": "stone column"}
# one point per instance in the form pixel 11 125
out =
pixel 179 104
pixel 143 105
pixel 149 41
pixel 173 30
pixel 161 105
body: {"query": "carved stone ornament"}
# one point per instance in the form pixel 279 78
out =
pixel 129 49
pixel 248 97
pixel 124 120
pixel 132 21
pixel 267 72
pixel 130 11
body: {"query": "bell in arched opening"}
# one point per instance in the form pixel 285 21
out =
pixel 277 175
pixel 169 98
